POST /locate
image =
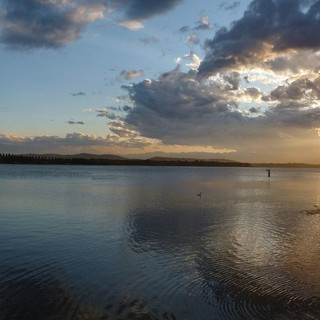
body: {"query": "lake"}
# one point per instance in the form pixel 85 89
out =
pixel 105 242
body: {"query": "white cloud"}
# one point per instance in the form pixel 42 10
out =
pixel 194 63
pixel 133 25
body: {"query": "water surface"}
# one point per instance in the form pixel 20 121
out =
pixel 82 242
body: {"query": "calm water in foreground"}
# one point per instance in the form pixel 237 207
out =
pixel 138 243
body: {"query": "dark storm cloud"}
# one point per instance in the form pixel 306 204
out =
pixel 144 9
pixel 267 26
pixel 28 24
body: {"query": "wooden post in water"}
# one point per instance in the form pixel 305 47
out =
pixel 268 170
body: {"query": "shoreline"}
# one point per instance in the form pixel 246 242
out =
pixel 166 162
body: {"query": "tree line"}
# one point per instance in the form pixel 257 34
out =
pixel 7 158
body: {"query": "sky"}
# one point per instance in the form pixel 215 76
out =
pixel 208 78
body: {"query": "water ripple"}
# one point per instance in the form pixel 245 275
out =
pixel 126 245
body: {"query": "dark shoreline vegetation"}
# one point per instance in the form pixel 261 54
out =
pixel 86 159
pixel 91 159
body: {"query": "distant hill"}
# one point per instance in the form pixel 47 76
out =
pixel 78 156
pixel 191 160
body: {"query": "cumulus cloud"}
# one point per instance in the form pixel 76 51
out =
pixel 216 105
pixel 269 29
pixel 193 58
pixel 30 24
pixel 176 107
pixel 297 103
pixel 181 108
pixel 302 90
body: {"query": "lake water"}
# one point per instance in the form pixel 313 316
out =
pixel 82 242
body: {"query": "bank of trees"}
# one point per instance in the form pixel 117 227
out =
pixel 7 158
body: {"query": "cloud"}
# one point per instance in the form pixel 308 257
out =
pixel 176 108
pixel 254 110
pixel 184 29
pixel 297 103
pixel 268 30
pixel 228 6
pixel 72 122
pixel 253 93
pixel 203 24
pixel 32 24
pixel 181 108
pixel 145 9
pixel 49 142
pixel 193 39
pixel 137 11
pixel 78 94
pixel 27 24
pixel 130 74
pixel 70 143
pixel 107 114
pixel 119 128
pixel 193 58
pixel 302 90
pixel 133 25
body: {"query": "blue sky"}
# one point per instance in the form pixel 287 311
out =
pixel 215 79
